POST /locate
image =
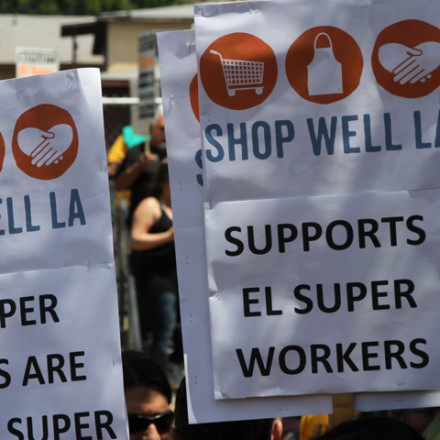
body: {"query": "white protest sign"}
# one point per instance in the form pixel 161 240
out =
pixel 178 71
pixel 183 140
pixel 262 113
pixel 316 137
pixel 319 302
pixel 146 82
pixel 60 368
pixel 35 61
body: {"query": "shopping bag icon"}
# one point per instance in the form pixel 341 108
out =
pixel 324 73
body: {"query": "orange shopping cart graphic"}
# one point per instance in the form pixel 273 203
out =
pixel 242 74
pixel 45 142
pixel 406 58
pixel 244 65
pixel 324 65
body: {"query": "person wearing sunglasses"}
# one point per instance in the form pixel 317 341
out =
pixel 147 397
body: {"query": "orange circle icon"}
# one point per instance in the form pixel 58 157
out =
pixel 406 58
pixel 238 71
pixel 194 96
pixel 45 142
pixel 324 65
pixel 2 151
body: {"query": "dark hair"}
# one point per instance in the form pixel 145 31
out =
pixel 161 178
pixel 371 428
pixel 260 429
pixel 139 369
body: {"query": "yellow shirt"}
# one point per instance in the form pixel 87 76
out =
pixel 312 426
pixel 117 151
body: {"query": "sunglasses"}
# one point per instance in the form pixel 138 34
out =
pixel 163 422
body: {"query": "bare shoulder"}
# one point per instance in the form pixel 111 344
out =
pixel 150 202
pixel 150 205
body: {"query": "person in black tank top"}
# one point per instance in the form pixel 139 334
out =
pixel 154 265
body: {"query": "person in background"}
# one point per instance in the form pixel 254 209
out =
pixel 147 397
pixel 260 429
pixel 154 266
pixel 291 427
pixel 420 419
pixel 139 167
pixel 371 428
pixel 425 421
pixel 116 155
pixel 432 430
pixel 313 425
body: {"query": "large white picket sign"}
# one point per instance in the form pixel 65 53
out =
pixel 60 366
pixel 178 72
pixel 321 136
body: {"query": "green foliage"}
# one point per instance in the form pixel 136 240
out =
pixel 78 7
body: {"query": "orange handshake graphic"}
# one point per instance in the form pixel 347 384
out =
pixel 44 143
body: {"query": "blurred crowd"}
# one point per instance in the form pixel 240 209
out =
pixel 138 168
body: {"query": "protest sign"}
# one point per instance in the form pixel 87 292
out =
pixel 178 80
pixel 178 72
pixel 146 80
pixel 35 61
pixel 381 133
pixel 332 109
pixel 330 302
pixel 60 366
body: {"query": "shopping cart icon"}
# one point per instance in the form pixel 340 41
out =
pixel 242 74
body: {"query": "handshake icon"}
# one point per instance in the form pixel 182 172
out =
pixel 45 147
pixel 410 64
